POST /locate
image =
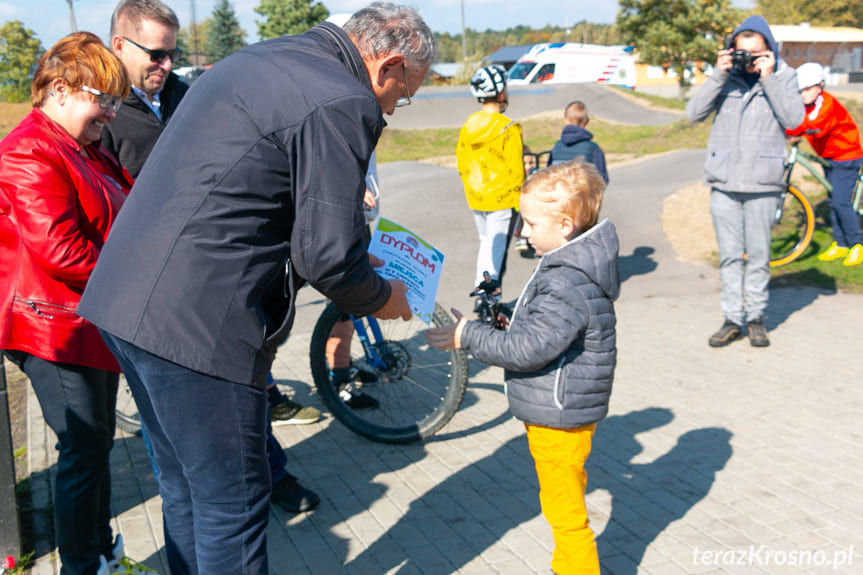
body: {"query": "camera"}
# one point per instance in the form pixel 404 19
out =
pixel 742 59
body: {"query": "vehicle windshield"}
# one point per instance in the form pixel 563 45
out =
pixel 521 70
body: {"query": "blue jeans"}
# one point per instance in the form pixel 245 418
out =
pixel 209 439
pixel 275 454
pixel 78 404
pixel 843 179
pixel 743 223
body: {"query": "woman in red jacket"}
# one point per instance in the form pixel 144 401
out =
pixel 60 191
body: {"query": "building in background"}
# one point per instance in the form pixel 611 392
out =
pixel 837 48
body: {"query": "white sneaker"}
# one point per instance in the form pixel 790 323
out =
pixel 119 564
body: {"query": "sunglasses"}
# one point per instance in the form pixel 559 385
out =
pixel 106 101
pixel 158 56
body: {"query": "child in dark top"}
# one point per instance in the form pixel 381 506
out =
pixel 837 140
pixel 576 142
pixel 559 351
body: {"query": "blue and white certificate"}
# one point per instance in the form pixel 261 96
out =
pixel 412 260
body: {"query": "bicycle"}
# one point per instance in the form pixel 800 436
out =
pixel 794 222
pixel 488 308
pixel 418 388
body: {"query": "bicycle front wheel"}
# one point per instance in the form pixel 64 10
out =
pixel 792 232
pixel 417 391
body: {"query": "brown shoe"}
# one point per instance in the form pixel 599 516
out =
pixel 757 333
pixel 729 332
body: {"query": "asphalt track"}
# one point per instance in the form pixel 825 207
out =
pixel 448 106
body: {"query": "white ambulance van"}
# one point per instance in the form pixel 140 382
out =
pixel 571 62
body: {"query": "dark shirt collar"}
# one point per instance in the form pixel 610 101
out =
pixel 345 50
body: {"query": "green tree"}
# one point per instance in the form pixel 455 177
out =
pixel 284 17
pixel 225 35
pixel 186 41
pixel 676 34
pixel 20 51
pixel 821 13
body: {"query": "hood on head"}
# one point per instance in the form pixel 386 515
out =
pixel 757 24
pixel 573 134
pixel 597 257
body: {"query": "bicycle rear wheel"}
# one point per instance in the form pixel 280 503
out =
pixel 417 393
pixel 793 231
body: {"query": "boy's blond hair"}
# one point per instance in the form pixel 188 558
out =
pixel 576 114
pixel 571 189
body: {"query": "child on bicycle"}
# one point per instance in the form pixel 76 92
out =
pixel 834 136
pixel 559 351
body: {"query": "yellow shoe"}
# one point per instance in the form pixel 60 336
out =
pixel 855 256
pixel 834 252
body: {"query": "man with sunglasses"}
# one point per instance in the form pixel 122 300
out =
pixel 144 38
pixel 255 188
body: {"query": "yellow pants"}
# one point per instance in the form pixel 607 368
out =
pixel 559 455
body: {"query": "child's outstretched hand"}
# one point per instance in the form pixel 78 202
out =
pixel 449 336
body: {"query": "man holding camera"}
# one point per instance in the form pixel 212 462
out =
pixel 755 97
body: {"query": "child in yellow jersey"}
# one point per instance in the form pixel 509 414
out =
pixel 490 164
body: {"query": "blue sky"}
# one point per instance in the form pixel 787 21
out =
pixel 50 18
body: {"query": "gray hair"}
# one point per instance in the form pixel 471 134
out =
pixel 133 11
pixel 381 29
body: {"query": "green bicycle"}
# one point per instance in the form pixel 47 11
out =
pixel 794 223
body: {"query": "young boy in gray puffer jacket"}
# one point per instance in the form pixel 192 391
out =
pixel 559 351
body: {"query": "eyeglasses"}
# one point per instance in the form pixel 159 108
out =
pixel 406 101
pixel 158 56
pixel 106 101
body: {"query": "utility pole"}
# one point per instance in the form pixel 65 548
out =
pixel 72 22
pixel 463 34
pixel 195 35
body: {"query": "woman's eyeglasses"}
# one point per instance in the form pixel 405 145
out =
pixel 106 101
pixel 158 56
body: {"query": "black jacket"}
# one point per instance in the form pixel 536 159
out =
pixel 130 136
pixel 254 187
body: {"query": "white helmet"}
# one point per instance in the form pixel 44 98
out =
pixel 809 74
pixel 488 82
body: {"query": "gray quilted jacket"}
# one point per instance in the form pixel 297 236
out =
pixel 559 352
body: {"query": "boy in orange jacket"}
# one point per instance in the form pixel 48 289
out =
pixel 834 137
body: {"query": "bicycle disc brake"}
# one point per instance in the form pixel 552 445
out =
pixel 397 359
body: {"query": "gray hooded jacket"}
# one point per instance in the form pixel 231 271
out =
pixel 746 149
pixel 560 351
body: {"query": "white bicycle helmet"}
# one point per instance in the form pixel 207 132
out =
pixel 809 74
pixel 488 82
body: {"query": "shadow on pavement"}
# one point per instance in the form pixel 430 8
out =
pixel 639 263
pixel 792 292
pixel 471 398
pixel 449 512
pixel 648 497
